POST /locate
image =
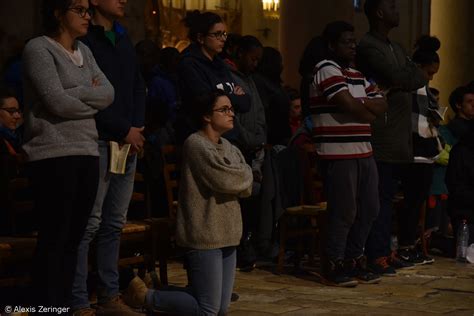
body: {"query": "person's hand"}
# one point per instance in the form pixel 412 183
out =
pixel 238 90
pixel 135 138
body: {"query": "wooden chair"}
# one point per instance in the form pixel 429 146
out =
pixel 145 241
pixel 314 214
pixel 15 260
pixel 17 249
pixel 171 161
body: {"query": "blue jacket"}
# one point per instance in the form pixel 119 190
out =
pixel 162 91
pixel 119 64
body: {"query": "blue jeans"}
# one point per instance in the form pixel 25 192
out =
pixel 211 276
pixel 105 223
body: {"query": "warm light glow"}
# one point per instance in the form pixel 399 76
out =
pixel 271 9
pixel 271 5
pixel 154 12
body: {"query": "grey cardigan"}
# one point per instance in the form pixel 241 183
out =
pixel 60 101
pixel 213 177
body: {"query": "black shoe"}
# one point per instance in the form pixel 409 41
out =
pixel 398 263
pixel 357 268
pixel 426 259
pixel 336 275
pixel 410 255
pixel 234 297
pixel 381 266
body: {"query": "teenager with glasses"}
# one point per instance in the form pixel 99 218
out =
pixel 214 175
pixel 64 89
pixel 202 70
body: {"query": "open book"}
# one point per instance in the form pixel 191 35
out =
pixel 118 157
pixel 439 112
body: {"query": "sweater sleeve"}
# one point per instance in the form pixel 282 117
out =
pixel 99 97
pixel 216 172
pixel 40 69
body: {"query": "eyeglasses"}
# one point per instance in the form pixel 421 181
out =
pixel 219 35
pixel 225 110
pixel 81 11
pixel 11 110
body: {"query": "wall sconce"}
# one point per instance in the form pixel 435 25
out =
pixel 271 9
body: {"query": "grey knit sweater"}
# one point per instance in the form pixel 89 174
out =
pixel 61 102
pixel 213 177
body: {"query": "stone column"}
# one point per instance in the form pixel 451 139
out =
pixel 451 22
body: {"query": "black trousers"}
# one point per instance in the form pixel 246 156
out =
pixel 351 188
pixel 64 190
pixel 416 182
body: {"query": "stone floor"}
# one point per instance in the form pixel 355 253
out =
pixel 445 287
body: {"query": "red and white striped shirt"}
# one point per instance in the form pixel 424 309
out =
pixel 337 134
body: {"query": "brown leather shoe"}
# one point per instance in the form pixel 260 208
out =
pixel 116 306
pixel 136 292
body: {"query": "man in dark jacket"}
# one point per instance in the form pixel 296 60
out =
pixel 121 122
pixel 387 64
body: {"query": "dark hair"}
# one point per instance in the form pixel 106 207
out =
pixel 425 50
pixel 370 7
pixel 200 23
pixel 148 55
pixel 204 104
pixel 6 93
pixel 247 43
pixel 315 51
pixel 230 46
pixel 292 93
pixel 48 8
pixel 457 96
pixel 169 58
pixel 434 91
pixel 333 31
pixel 271 64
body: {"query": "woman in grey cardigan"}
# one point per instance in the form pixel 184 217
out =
pixel 214 176
pixel 64 89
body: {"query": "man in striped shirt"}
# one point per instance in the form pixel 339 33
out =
pixel 343 103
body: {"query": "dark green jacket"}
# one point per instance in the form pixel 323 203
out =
pixel 388 65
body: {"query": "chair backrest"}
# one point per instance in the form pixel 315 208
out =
pixel 171 169
pixel 140 202
pixel 313 183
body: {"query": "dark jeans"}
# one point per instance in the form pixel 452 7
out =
pixel 416 182
pixel 353 204
pixel 64 190
pixel 378 242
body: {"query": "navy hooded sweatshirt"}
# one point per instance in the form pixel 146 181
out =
pixel 199 75
pixel 119 64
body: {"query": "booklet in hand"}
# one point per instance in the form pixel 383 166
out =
pixel 118 157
